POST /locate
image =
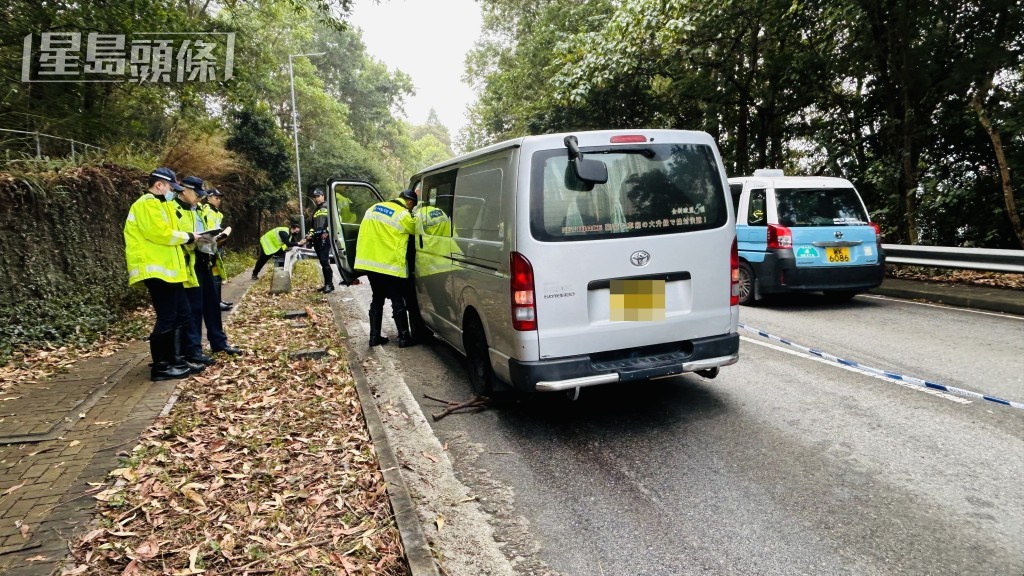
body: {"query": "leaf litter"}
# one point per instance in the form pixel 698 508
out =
pixel 264 465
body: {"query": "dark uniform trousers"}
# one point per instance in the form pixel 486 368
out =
pixel 323 253
pixel 383 286
pixel 170 304
pixel 205 306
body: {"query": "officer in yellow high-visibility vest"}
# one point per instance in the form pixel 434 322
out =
pixel 381 252
pixel 215 219
pixel 154 256
pixel 276 241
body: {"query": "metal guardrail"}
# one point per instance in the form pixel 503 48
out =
pixel 38 146
pixel 988 259
pixel 295 254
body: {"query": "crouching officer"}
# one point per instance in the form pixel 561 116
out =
pixel 381 252
pixel 320 236
pixel 155 258
pixel 276 241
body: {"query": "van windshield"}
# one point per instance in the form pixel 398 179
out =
pixel 800 207
pixel 656 189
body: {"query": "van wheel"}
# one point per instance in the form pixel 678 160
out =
pixel 481 375
pixel 746 285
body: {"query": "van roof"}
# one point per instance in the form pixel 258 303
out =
pixel 795 181
pixel 586 138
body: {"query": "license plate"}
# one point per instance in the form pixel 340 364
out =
pixel 637 300
pixel 836 255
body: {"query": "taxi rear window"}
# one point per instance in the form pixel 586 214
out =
pixel 799 207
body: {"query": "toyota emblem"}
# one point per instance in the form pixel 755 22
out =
pixel 839 234
pixel 640 258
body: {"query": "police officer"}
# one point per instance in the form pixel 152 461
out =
pixel 154 256
pixel 276 241
pixel 320 236
pixel 381 252
pixel 205 303
pixel 215 219
pixel 185 211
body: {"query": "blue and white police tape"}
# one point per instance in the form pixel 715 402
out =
pixel 885 373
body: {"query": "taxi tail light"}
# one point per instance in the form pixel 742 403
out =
pixel 779 237
pixel 524 306
pixel 878 231
pixel 734 266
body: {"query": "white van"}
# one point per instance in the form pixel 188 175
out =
pixel 562 261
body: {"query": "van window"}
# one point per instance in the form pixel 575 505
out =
pixel 478 204
pixel 438 192
pixel 359 200
pixel 651 189
pixel 820 207
pixel 757 214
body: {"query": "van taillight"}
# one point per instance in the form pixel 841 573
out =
pixel 628 139
pixel 779 237
pixel 878 232
pixel 734 265
pixel 524 307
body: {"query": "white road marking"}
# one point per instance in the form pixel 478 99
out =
pixel 931 391
pixel 945 306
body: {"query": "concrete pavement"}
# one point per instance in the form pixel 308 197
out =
pixel 59 437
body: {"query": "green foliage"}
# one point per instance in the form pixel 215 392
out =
pixel 883 93
pixel 63 271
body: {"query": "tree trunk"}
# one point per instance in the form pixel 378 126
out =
pixel 1004 169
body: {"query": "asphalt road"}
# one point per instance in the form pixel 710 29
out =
pixel 782 465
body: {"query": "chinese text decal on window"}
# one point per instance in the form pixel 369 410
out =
pixel 176 57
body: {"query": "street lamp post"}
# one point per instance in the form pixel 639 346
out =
pixel 295 132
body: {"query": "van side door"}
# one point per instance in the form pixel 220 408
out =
pixel 348 201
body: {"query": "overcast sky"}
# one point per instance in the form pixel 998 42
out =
pixel 428 40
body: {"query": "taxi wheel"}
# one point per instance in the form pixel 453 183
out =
pixel 746 285
pixel 481 375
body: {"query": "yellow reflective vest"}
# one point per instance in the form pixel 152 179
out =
pixel 271 241
pixel 184 220
pixel 153 244
pixel 214 218
pixel 384 238
pixel 344 208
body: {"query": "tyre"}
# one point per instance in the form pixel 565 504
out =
pixel 746 285
pixel 474 341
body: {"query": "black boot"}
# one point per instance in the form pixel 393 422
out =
pixel 405 339
pixel 375 338
pixel 180 335
pixel 161 346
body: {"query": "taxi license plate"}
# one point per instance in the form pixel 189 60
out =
pixel 836 255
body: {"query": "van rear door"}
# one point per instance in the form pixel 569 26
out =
pixel 348 201
pixel 640 260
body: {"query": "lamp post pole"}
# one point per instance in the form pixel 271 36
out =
pixel 295 136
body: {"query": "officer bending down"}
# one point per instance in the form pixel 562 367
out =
pixel 381 253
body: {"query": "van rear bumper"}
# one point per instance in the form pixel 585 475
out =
pixel 625 365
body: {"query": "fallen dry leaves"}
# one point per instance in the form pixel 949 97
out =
pixel 40 364
pixel 970 277
pixel 264 465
